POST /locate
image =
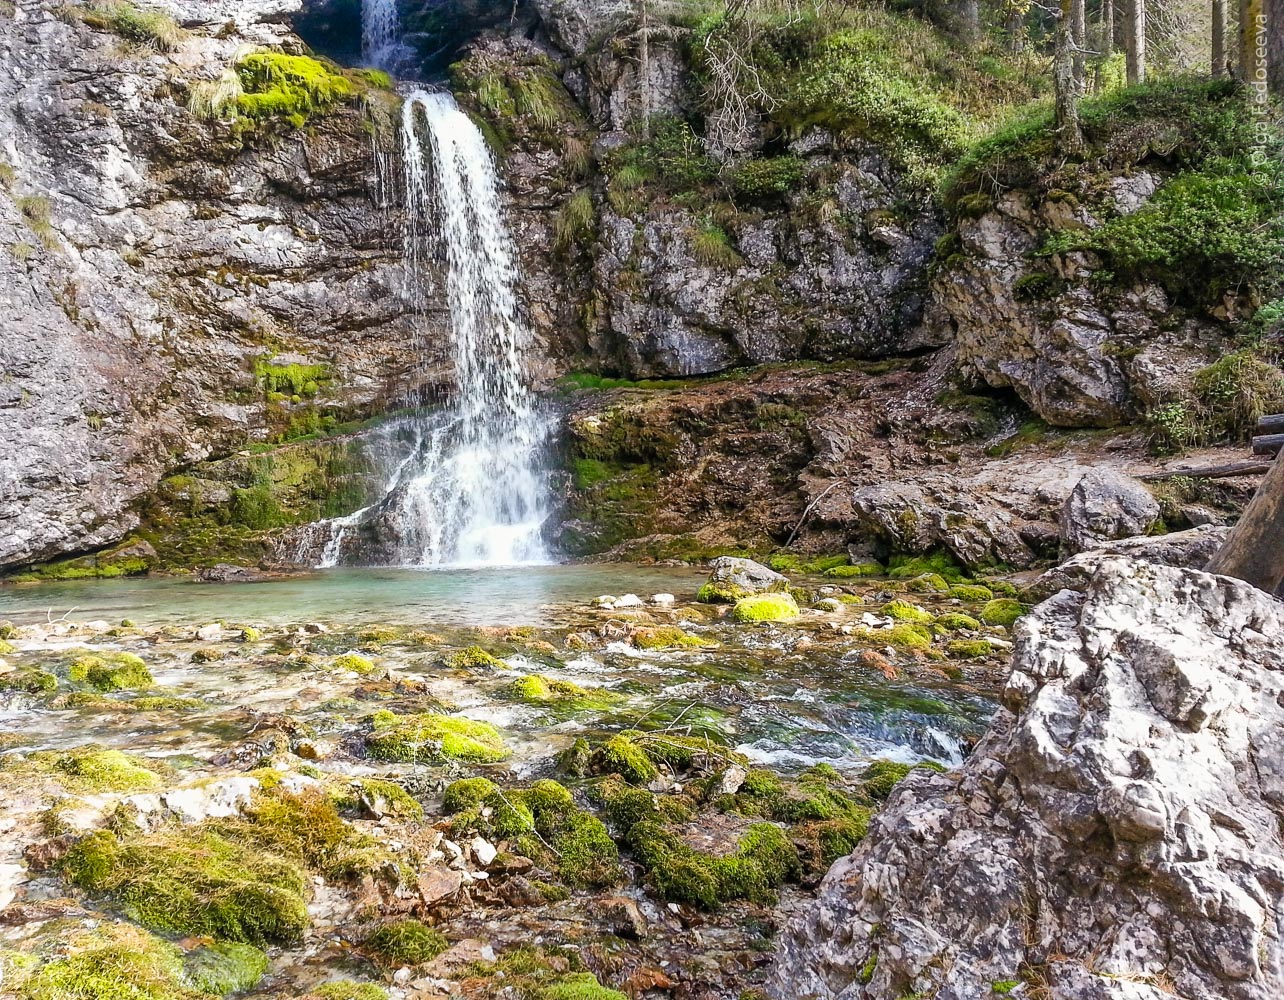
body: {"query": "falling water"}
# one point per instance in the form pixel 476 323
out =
pixel 381 45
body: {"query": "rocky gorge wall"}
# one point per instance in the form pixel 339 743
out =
pixel 219 308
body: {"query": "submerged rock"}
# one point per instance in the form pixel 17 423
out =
pixel 1116 835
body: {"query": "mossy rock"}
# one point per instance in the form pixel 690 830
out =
pixel 850 571
pixel 87 769
pixel 473 658
pixel 432 738
pixel 194 882
pixel 1002 611
pixel 353 662
pixel 579 986
pixel 969 649
pixel 225 967
pixel 955 621
pixel 903 611
pixel 903 636
pixel 110 672
pixel 939 563
pixel 928 583
pixel 31 681
pixel 971 592
pixel 883 775
pixel 114 961
pixel 538 689
pixel 386 798
pixel 620 755
pixel 766 608
pixel 405 942
pixel 666 637
pixel 348 989
pixel 721 593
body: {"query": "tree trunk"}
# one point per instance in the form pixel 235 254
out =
pixel 644 66
pixel 1014 28
pixel 1275 45
pixel 969 21
pixel 1135 40
pixel 1069 134
pixel 1219 38
pixel 1079 36
pixel 1108 28
pixel 1252 45
pixel 1255 550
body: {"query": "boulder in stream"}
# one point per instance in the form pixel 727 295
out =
pixel 1115 836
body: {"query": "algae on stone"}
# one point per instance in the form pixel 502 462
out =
pixel 432 738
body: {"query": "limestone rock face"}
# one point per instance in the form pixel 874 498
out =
pixel 1076 355
pixel 1106 506
pixel 151 258
pixel 1116 835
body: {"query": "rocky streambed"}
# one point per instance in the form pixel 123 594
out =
pixel 618 795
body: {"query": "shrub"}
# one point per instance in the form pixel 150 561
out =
pixel 763 179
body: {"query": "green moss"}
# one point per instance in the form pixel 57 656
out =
pixel 431 738
pixel 95 769
pixel 538 689
pixel 928 583
pixel 7 647
pixel 954 621
pixel 939 563
pixel 763 859
pixel 575 222
pixel 193 881
pixel 766 608
pixel 405 942
pixel 225 967
pixel 116 962
pixel 971 592
pixel 473 658
pixel 623 804
pixel 620 755
pixel 149 27
pixel 767 178
pixel 393 799
pixel 466 794
pixel 110 672
pixel 883 775
pixel 666 637
pixel 166 703
pixel 290 88
pixel 579 986
pixel 902 636
pixel 1002 611
pixel 825 841
pixel 854 570
pixel 903 611
pixel 721 593
pixel 290 379
pixel 353 662
pixel 31 681
pixel 347 989
pixel 969 649
pixel 587 856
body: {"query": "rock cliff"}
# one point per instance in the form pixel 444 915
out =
pixel 1115 835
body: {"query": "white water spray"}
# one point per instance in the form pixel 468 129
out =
pixel 479 496
pixel 380 34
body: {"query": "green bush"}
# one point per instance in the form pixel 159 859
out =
pixel 768 178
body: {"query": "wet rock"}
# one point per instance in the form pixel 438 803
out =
pixel 663 600
pixel 517 891
pixel 623 916
pixel 1105 506
pixel 732 578
pixel 730 780
pixel 439 885
pixel 210 633
pixel 1138 749
pixel 226 573
pixel 461 955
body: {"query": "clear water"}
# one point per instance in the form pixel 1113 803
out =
pixel 462 597
pixel 785 703
pixel 472 489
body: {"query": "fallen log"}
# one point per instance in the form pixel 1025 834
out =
pixel 1268 444
pixel 1271 423
pixel 1211 471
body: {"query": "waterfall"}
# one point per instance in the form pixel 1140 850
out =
pixel 479 495
pixel 381 34
pixel 469 487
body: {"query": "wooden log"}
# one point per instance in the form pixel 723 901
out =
pixel 1210 471
pixel 1255 549
pixel 1268 444
pixel 1272 423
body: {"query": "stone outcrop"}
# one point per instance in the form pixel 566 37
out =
pixel 1116 834
pixel 153 258
pixel 1077 353
pixel 1105 506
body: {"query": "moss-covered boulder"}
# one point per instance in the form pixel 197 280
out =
pixel 432 738
pixel 110 671
pixel 766 608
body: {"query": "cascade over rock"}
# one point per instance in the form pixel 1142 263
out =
pixel 1115 836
